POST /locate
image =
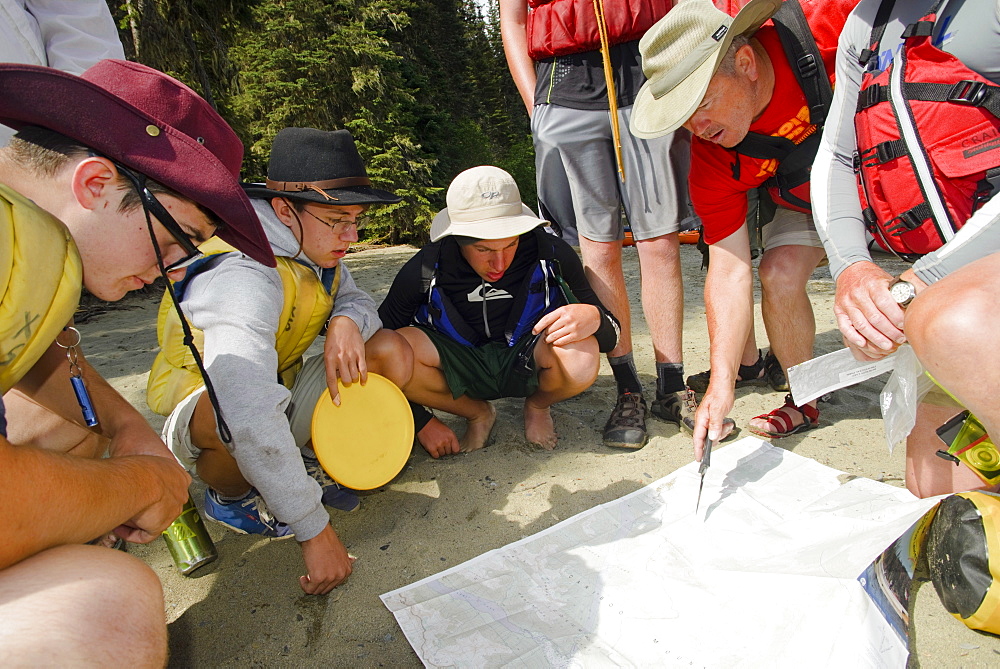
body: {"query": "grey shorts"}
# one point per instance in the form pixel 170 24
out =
pixel 578 177
pixel 790 228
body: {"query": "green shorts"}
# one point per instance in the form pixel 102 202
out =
pixel 486 372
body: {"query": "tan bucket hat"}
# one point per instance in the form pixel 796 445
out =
pixel 484 203
pixel 680 53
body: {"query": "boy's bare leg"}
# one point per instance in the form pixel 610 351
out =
pixel 428 386
pixel 950 326
pixel 216 466
pixel 388 354
pixel 926 473
pixel 563 372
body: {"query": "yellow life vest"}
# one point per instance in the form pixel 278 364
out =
pixel 307 306
pixel 41 276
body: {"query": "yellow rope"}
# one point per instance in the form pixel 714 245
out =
pixel 609 79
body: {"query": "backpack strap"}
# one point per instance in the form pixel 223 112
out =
pixel 765 147
pixel 800 47
pixel 428 265
pixel 878 29
pixel 803 55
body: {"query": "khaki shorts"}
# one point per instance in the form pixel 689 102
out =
pixel 790 228
pixel 309 386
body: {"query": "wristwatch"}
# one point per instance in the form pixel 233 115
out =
pixel 903 292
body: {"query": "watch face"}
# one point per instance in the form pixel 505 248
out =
pixel 902 292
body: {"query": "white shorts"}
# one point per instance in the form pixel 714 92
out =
pixel 309 386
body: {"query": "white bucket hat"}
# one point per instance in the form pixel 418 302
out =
pixel 484 202
pixel 680 53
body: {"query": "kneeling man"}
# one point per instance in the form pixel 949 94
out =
pixel 494 307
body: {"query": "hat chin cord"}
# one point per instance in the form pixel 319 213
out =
pixel 302 231
pixel 223 428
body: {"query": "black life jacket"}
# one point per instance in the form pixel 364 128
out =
pixel 794 160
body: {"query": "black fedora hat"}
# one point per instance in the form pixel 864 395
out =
pixel 318 166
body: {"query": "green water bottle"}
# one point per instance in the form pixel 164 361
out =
pixel 188 541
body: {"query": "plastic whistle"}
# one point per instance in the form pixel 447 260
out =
pixel 83 398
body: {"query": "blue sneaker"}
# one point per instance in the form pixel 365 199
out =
pixel 246 516
pixel 334 495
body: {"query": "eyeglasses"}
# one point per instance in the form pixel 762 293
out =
pixel 151 205
pixel 340 227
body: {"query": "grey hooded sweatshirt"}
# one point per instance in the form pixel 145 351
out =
pixel 237 304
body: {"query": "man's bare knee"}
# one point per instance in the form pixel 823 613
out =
pixel 949 319
pixel 600 255
pixel 73 602
pixel 786 268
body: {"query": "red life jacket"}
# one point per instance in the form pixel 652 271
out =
pixel 928 141
pixel 562 27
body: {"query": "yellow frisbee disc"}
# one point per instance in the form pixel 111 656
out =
pixel 366 441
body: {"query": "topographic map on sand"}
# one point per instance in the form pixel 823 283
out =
pixel 771 571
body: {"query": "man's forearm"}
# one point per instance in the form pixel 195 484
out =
pixel 94 497
pixel 729 309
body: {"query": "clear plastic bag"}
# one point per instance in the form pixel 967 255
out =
pixel 902 392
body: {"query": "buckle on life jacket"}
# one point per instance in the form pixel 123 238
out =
pixel 891 150
pixel 987 187
pixel 881 153
pixel 910 219
pixel 856 162
pixel 871 96
pixel 871 221
pixel 968 93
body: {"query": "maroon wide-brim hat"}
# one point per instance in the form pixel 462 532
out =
pixel 147 121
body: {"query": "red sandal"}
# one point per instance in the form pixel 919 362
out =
pixel 779 419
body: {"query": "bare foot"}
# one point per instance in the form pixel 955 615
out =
pixel 478 430
pixel 539 429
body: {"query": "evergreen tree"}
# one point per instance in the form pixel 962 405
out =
pixel 421 84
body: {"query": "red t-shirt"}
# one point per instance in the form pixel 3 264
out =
pixel 719 198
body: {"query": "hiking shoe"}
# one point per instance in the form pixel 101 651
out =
pixel 775 374
pixel 626 428
pixel 677 408
pixel 680 408
pixel 246 516
pixel 334 495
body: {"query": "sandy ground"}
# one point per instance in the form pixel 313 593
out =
pixel 247 608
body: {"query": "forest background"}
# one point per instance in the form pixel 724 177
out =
pixel 421 84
